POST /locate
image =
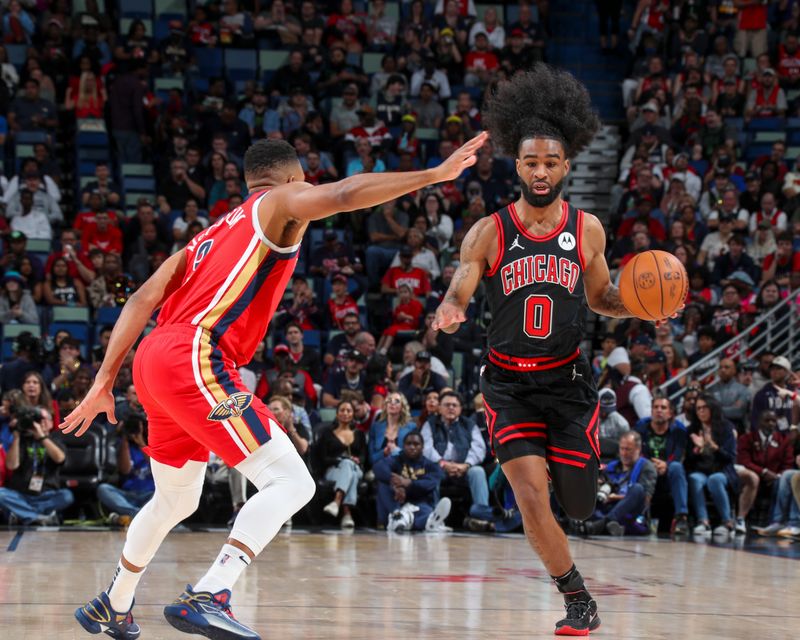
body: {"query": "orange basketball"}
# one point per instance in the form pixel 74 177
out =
pixel 653 285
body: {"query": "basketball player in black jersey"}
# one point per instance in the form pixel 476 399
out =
pixel 543 261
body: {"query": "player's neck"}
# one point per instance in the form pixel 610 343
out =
pixel 528 214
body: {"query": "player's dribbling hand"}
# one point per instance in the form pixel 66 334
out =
pixel 462 158
pixel 98 400
pixel 448 318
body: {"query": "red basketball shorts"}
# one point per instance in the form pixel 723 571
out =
pixel 195 399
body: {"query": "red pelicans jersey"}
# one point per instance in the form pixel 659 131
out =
pixel 235 277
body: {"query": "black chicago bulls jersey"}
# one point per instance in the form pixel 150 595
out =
pixel 535 291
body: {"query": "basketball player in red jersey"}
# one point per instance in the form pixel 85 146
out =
pixel 543 261
pixel 216 298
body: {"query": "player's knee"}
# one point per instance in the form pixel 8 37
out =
pixel 535 500
pixel 305 488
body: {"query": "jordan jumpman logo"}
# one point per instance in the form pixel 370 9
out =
pixel 516 244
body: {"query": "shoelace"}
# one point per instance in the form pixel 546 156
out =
pixel 576 610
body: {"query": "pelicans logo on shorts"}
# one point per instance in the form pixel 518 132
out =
pixel 232 407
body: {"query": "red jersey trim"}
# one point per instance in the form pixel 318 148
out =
pixel 580 240
pixel 260 232
pixel 529 235
pixel 501 245
pixel 513 363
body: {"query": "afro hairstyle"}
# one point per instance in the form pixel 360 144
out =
pixel 542 103
pixel 266 155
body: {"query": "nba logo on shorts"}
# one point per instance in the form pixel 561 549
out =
pixel 232 407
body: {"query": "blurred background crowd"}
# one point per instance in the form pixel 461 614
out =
pixel 124 124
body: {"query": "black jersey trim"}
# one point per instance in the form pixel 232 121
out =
pixel 501 244
pixel 563 223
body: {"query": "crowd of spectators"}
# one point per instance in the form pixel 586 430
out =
pixel 384 408
pixel 708 172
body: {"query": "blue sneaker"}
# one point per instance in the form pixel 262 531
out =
pixel 207 614
pixel 97 616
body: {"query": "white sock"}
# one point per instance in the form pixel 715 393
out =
pixel 225 571
pixel 123 584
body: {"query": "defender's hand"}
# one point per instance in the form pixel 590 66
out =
pixel 98 400
pixel 462 158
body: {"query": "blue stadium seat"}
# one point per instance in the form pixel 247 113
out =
pixel 31 137
pixel 108 315
pixel 312 338
pixel 92 139
pixel 755 150
pixel 209 61
pixel 139 184
pixel 241 59
pixel 136 8
pixel 174 9
pixel 17 53
pixel 86 168
pixel 93 154
pixel 78 330
pixel 766 124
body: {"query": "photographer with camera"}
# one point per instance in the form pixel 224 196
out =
pixel 625 487
pixel 136 485
pixel 33 494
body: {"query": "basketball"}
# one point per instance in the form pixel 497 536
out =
pixel 653 285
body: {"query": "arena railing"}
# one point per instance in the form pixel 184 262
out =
pixel 781 337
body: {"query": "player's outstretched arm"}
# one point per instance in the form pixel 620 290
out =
pixel 306 202
pixel 475 253
pixel 134 317
pixel 603 297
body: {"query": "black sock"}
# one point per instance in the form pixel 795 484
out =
pixel 570 582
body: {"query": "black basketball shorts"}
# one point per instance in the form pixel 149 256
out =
pixel 550 413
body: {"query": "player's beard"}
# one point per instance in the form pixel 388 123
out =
pixel 541 201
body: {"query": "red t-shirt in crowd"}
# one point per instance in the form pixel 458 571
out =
pixel 416 278
pixel 788 63
pixel 787 265
pixel 86 219
pixel 753 17
pixel 108 241
pixel 481 60
pixel 72 268
pixel 339 310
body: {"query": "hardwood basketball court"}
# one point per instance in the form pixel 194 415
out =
pixel 366 586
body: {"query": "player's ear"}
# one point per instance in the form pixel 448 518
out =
pixel 567 166
pixel 518 164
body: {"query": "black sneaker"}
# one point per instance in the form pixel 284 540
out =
pixel 581 615
pixel 680 525
pixel 476 524
pixel 595 527
pixel 614 528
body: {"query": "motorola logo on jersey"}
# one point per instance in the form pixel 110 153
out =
pixel 231 407
pixel 566 241
pixel 539 269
